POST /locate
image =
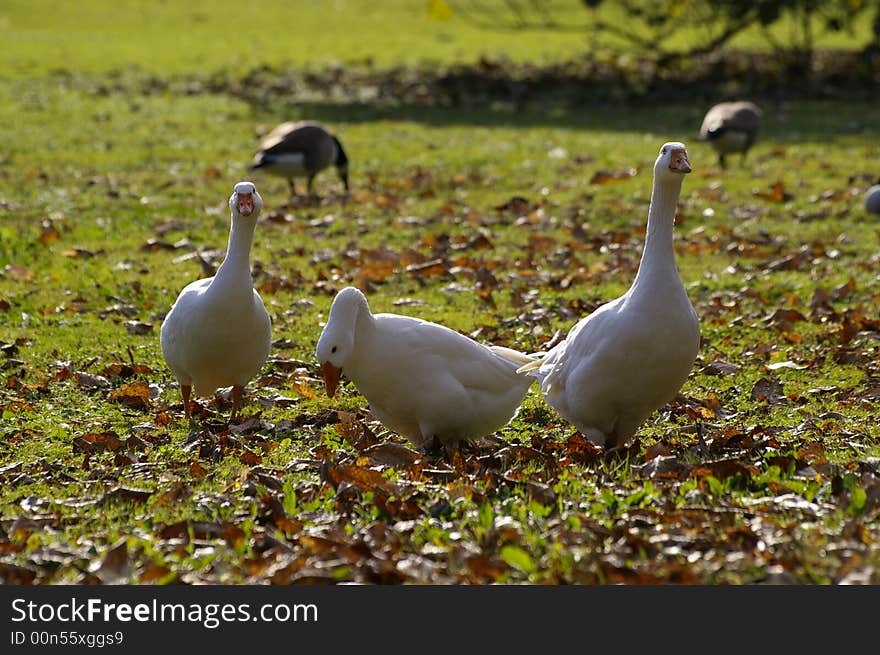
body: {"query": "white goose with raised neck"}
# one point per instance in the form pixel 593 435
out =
pixel 233 278
pixel 657 266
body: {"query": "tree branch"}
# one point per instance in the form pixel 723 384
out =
pixel 516 19
pixel 730 31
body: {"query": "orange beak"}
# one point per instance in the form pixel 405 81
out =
pixel 678 162
pixel 331 377
pixel 245 204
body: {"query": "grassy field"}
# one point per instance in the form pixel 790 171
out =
pixel 101 35
pixel 113 190
pixel 202 35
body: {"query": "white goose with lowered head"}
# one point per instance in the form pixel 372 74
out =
pixel 422 380
pixel 632 355
pixel 218 332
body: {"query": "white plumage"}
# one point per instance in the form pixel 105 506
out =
pixel 632 355
pixel 218 332
pixel 422 380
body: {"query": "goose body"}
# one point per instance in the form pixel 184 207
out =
pixel 301 149
pixel 631 356
pixel 731 127
pixel 218 332
pixel 421 379
pixel 872 199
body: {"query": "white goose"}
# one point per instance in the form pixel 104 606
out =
pixel 422 380
pixel 218 333
pixel 632 355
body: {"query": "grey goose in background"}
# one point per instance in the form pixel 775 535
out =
pixel 301 149
pixel 872 199
pixel 731 127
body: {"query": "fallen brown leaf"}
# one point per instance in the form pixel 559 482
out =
pixel 777 193
pixel 769 391
pixel 607 177
pixel 135 395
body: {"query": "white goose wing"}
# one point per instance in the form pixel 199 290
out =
pixel 587 335
pixel 424 344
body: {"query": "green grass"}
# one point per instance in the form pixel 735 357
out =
pixel 94 169
pixel 99 36
pixel 205 36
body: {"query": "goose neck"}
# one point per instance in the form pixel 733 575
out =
pixel 658 256
pixel 364 320
pixel 236 263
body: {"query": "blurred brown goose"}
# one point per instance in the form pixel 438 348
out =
pixel 301 149
pixel 731 127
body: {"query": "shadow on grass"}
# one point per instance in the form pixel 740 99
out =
pixel 794 121
pixel 838 98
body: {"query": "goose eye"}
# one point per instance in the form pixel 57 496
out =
pixel 333 349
